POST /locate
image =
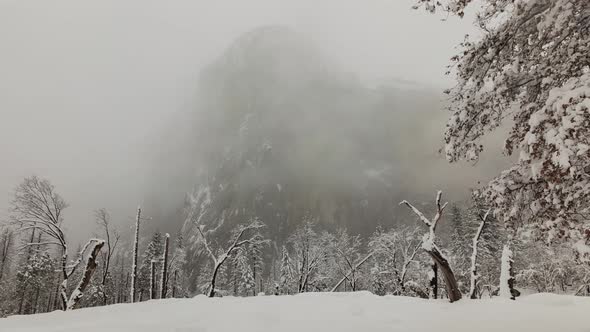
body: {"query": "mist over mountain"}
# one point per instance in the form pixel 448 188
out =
pixel 280 132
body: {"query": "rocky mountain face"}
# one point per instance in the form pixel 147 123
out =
pixel 282 134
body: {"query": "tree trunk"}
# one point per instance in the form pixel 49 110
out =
pixel 86 277
pixel 49 301
pixel 506 275
pixel 56 294
pixel 434 281
pixel 450 280
pixel 36 303
pixel 213 277
pixel 153 280
pixel 174 284
pixel 164 278
pixel 134 263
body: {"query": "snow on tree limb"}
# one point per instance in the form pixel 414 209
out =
pixel 90 266
pixel 236 242
pixel 429 245
pixel 355 267
pixel 530 68
pixel 417 212
pixel 475 243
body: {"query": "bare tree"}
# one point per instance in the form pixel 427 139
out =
pixel 138 220
pixel 36 206
pixel 429 245
pixel 5 250
pixel 353 269
pixel 153 279
pixel 346 254
pixel 404 243
pixel 164 277
pixel 310 250
pixel 473 270
pixel 240 237
pixel 103 219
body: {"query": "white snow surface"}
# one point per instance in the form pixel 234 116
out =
pixel 341 312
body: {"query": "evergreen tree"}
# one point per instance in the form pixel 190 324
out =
pixel 177 278
pixel 286 272
pixel 152 252
pixel 247 283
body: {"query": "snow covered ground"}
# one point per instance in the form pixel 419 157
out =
pixel 319 312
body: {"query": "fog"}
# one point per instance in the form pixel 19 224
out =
pixel 100 96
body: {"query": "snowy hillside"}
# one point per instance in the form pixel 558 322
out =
pixel 340 312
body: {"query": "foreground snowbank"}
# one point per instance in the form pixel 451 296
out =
pixel 319 312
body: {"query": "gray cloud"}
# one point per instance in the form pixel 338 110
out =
pixel 88 89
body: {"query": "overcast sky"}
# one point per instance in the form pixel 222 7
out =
pixel 84 84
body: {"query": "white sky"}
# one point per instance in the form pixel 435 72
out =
pixel 83 83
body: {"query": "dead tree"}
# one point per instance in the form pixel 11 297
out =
pixel 103 219
pixel 429 245
pixel 353 268
pixel 473 270
pixel 153 279
pixel 507 289
pixel 164 277
pixel 134 264
pixel 36 206
pixel 433 282
pixel 87 276
pixel 5 250
pixel 236 242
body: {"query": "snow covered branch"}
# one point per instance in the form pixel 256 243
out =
pixel 475 243
pixel 236 242
pixel 429 245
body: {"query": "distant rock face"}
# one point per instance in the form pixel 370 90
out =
pixel 282 134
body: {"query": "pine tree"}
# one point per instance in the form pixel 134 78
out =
pixel 247 283
pixel 460 246
pixel 177 265
pixel 286 272
pixel 256 254
pixel 152 252
pixel 32 278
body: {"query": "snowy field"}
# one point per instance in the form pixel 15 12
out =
pixel 319 312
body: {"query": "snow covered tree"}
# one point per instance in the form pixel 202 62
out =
pixel 549 269
pixel 6 250
pixel 348 260
pixel 461 230
pixel 134 256
pixel 153 252
pixel 242 235
pixel 246 281
pixel 94 247
pixel 177 263
pixel 489 248
pixel 395 251
pixel 475 246
pixel 429 245
pixel 256 257
pixel 286 272
pixel 164 273
pixel 308 253
pixel 346 251
pixel 103 219
pixel 531 67
pixel 37 207
pixel 32 278
pixel 507 275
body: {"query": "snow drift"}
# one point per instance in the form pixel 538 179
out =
pixel 340 312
